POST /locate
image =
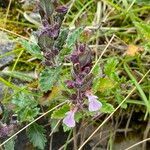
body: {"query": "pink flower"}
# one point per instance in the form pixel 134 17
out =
pixel 69 119
pixel 94 104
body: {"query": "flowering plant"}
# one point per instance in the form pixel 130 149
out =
pixel 81 83
pixel 55 46
pixel 49 36
pixel 81 59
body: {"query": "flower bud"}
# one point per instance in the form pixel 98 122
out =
pixel 70 84
pixel 81 48
pixel 74 58
pixel 62 9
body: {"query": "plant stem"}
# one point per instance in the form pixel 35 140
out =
pixel 75 139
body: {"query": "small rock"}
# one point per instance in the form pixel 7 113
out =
pixel 1 90
pixel 6 45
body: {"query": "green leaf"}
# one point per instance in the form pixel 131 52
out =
pixel 25 106
pixel 60 113
pixel 66 128
pixel 54 125
pixel 119 98
pixel 78 116
pixel 48 78
pixel 64 52
pixel 72 37
pixel 103 84
pixel 110 67
pixel 95 85
pixel 28 114
pixel 143 29
pixel 146 46
pixel 61 39
pixel 36 136
pixel 106 84
pixel 96 70
pixel 47 6
pixel 22 100
pixel 107 108
pixel 44 41
pixel 32 48
pixel 10 145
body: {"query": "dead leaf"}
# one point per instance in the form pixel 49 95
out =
pixel 50 95
pixel 132 50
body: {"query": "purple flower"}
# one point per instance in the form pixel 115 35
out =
pixel 62 9
pixel 52 31
pixel 6 130
pixel 70 84
pixel 94 104
pixel 74 58
pixel 69 119
pixel 82 48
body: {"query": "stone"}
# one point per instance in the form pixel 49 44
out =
pixel 6 45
